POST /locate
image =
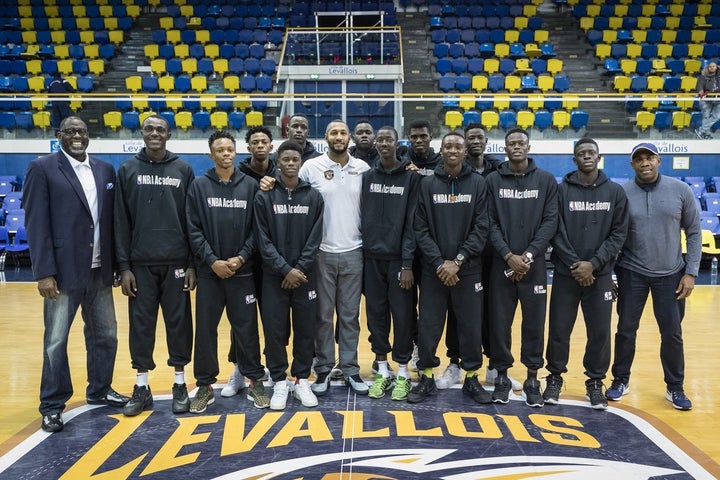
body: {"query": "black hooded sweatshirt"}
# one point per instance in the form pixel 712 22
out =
pixel 593 223
pixel 527 205
pixel 150 224
pixel 452 218
pixel 270 172
pixel 220 220
pixel 289 227
pixel 387 211
pixel 427 163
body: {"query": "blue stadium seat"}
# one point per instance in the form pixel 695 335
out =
pixel 446 83
pixel 463 83
pixel 543 119
pixel 508 119
pixel 131 120
pixel 247 83
pixel 252 66
pixel 578 119
pixel 496 82
pixel 201 120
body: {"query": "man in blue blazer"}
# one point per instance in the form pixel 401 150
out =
pixel 68 199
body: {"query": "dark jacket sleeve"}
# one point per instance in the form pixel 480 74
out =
pixel 496 235
pixel 610 248
pixel 199 245
pixel 268 252
pixel 308 255
pixel 477 237
pixel 548 224
pixel 123 224
pixel 425 242
pixel 36 200
pixel 248 248
pixel 408 238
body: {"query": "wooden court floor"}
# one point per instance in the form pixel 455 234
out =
pixel 21 330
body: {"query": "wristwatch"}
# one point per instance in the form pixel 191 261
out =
pixel 459 259
pixel 528 257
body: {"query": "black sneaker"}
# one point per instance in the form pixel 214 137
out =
pixel 531 392
pixel 503 385
pixel 426 386
pixel 594 388
pixel 553 385
pixel 321 384
pixel 142 399
pixel 181 401
pixel 472 388
pixel 52 422
pixel 111 398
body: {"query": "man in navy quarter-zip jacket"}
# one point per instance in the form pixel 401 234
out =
pixel 288 230
pixel 451 228
pixel 220 219
pixel 387 211
pixel 591 231
pixel 523 219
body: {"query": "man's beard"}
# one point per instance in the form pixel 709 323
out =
pixel 336 151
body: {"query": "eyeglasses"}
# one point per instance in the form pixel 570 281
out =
pixel 150 129
pixel 71 132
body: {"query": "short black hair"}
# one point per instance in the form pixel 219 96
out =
pixel 219 134
pixel 586 140
pixel 391 128
pixel 473 126
pixel 301 115
pixel 289 145
pixel 257 129
pixel 419 124
pixel 517 130
pixel 453 133
pixel 167 123
pixel 363 120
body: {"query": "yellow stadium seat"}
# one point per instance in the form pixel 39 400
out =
pixel 33 67
pixel 512 83
pixel 655 84
pixel 189 65
pixel 242 103
pixel 92 50
pixel 479 83
pixel 541 36
pixel 208 103
pixel 231 83
pixel 621 83
pixel 685 103
pixel 644 119
pixel 490 119
pixel 453 119
pixel 688 83
pixel 709 246
pixel 560 119
pixel 609 36
pixel 111 23
pixel 202 36
pixel 501 103
pixel 199 83
pixel 166 83
pixel 512 36
pixel 106 11
pixel 96 66
pixel 141 105
pixel 112 120
pixel 65 66
pixel 659 66
pixel 615 22
pixel 530 10
pixel 525 119
pixel 467 102
pixel 62 51
pixel 697 36
pixel 639 36
pixel 650 105
pixel 173 36
pixel 220 66
pixel 42 119
pixel 522 65
pixel 27 24
pixel 695 50
pixel 36 84
pixel 502 50
pixel 570 102
pixel 680 120
pixel 532 50
pixel 187 10
pixel 668 36
pixel 133 11
pixel 664 50
pixel 634 50
pixel 57 37
pixel 672 23
pixel 491 65
pixel 157 66
pixel 87 36
pixel 152 51
pixel 546 83
pixel 182 51
pixel 692 66
pixel 628 66
pixel 145 115
pixel 520 22
pixel 587 23
pixel 167 23
pixel 133 83
pixel 174 102
pixel 593 10
pixel 602 50
pixel 212 51
pixel 536 102
pixel 644 23
pixel 254 119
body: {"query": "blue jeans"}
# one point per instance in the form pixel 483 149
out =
pixel 98 314
pixel 710 114
pixel 633 289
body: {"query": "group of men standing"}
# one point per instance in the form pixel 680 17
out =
pixel 310 233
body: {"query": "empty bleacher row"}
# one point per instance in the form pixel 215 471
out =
pixel 185 119
pixel 654 48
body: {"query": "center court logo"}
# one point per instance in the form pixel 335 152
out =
pixel 348 437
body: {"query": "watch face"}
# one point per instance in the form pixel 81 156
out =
pixel 460 257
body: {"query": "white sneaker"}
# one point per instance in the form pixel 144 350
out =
pixel 281 390
pixel 491 375
pixel 414 359
pixel 236 382
pixel 449 377
pixel 303 393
